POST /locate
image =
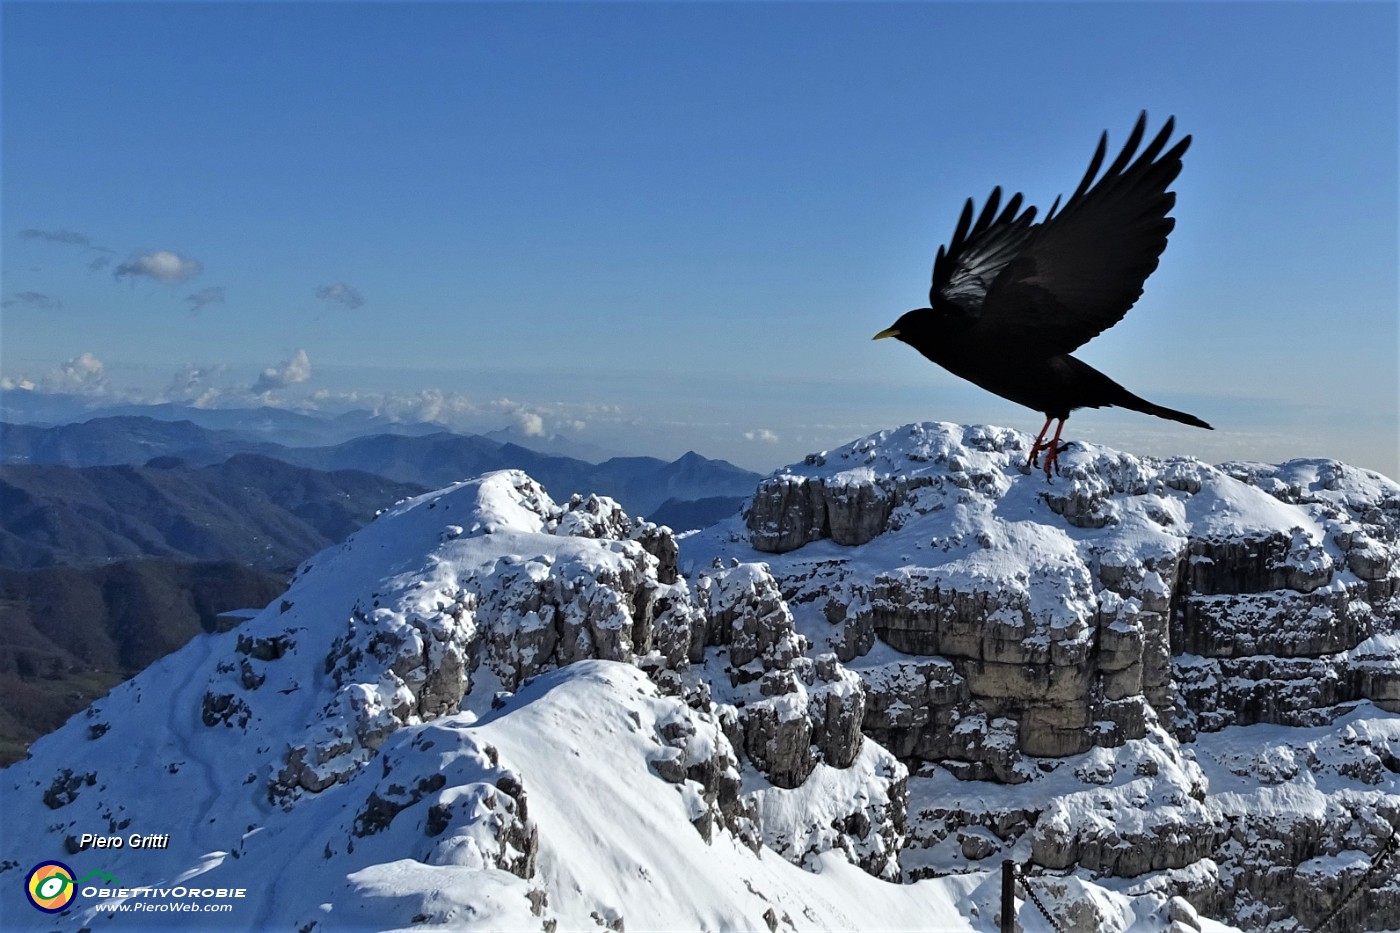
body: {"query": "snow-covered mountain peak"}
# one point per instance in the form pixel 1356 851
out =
pixel 980 471
pixel 909 660
pixel 480 712
pixel 1004 623
pixel 956 507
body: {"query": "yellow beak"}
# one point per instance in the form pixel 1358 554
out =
pixel 887 332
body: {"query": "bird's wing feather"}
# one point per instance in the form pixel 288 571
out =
pixel 1079 271
pixel 966 268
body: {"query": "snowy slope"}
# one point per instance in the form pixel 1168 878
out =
pixel 398 743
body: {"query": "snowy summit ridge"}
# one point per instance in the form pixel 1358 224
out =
pixel 448 720
pixel 488 710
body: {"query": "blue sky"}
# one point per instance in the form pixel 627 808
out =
pixel 669 226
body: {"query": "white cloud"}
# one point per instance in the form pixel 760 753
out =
pixel 82 375
pixel 194 385
pixel 163 266
pixel 432 405
pixel 83 370
pixel 461 413
pixel 762 435
pixel 341 294
pixel 206 296
pixel 289 372
pixel 530 423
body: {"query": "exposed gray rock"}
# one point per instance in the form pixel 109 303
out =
pixel 778 738
pixel 977 845
pixel 745 611
pixel 1289 870
pixel 408 656
pixel 696 749
pixel 66 786
pixel 785 513
pixel 599 586
pixel 659 542
pixel 596 517
pixel 1283 560
pixel 912 706
pixel 857 512
pixel 679 627
pixel 836 706
pixel 858 811
pixel 806 711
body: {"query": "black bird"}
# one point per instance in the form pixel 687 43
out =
pixel 1012 298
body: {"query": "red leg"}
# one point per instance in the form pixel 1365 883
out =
pixel 1037 447
pixel 1052 450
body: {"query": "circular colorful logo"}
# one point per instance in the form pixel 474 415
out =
pixel 50 886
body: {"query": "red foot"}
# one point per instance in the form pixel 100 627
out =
pixel 1053 448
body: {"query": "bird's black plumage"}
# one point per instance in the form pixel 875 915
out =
pixel 1011 298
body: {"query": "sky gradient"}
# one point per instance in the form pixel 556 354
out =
pixel 668 227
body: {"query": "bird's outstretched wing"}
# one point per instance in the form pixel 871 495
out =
pixel 965 269
pixel 1078 272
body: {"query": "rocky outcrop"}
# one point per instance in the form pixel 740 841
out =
pixel 857 810
pixel 1285 627
pixel 408 655
pixel 1070 635
pixel 846 495
pixel 1292 562
pixel 696 751
pixel 745 611
pixel 793 711
pixel 1144 810
pixel 789 511
pixel 515 586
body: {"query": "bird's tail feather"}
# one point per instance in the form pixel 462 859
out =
pixel 1171 414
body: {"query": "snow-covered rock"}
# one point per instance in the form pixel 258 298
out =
pixel 484 711
pixel 1172 689
pixel 1036 652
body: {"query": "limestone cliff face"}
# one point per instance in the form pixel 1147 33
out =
pixel 1006 629
pixel 1235 594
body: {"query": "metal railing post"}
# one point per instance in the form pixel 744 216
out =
pixel 1008 896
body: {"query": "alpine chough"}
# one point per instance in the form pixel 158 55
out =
pixel 1012 298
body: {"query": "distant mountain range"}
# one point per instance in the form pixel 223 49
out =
pixel 261 512
pixel 279 425
pixel 556 445
pixel 123 439
pixel 640 484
